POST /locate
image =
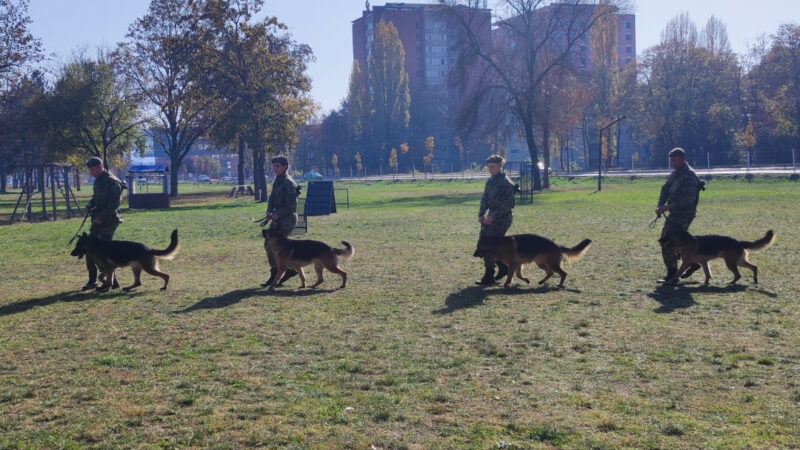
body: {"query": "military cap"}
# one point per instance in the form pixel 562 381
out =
pixel 93 161
pixel 677 151
pixel 280 159
pixel 495 159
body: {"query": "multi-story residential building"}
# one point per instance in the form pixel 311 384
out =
pixel 431 39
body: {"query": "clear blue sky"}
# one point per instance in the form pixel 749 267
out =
pixel 66 25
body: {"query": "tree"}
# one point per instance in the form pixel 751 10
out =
pixel 393 159
pixel 160 58
pixel 20 141
pixel 259 72
pixel 605 79
pixel 359 166
pixel 335 163
pixel 379 97
pixel 336 139
pixel 533 38
pixel 92 111
pixel 430 145
pixel 17 46
pixel 688 96
pixel 775 86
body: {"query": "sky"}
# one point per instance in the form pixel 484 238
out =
pixel 65 26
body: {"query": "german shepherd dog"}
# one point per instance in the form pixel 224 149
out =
pixel 520 249
pixel 702 249
pixel 111 255
pixel 297 253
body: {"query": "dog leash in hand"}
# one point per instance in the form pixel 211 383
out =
pixel 653 223
pixel 262 222
pixel 79 228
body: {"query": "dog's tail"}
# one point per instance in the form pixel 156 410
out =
pixel 347 252
pixel 764 242
pixel 577 251
pixel 171 251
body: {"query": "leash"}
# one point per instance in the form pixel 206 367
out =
pixel 262 222
pixel 86 216
pixel 658 216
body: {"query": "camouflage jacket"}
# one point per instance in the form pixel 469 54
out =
pixel 498 196
pixel 283 200
pixel 681 192
pixel 106 199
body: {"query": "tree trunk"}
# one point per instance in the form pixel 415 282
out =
pixel 533 151
pixel 546 155
pixel 240 165
pixel 256 170
pixel 3 182
pixel 173 175
pixel 262 176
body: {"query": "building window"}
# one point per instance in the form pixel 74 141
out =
pixel 627 37
pixel 627 25
pixel 628 49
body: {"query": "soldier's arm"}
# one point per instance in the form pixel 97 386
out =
pixel 664 196
pixel 504 200
pixel 484 203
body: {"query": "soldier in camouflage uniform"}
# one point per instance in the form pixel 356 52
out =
pixel 679 196
pixel 104 209
pixel 281 210
pixel 498 200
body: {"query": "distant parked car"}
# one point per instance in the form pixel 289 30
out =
pixel 203 179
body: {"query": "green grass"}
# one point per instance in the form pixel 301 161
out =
pixel 411 354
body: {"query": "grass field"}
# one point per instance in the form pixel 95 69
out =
pixel 411 354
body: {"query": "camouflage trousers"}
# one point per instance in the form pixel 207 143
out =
pixel 667 251
pixel 105 232
pixel 497 228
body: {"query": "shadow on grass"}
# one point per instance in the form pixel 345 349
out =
pixel 68 296
pixel 680 296
pixel 472 296
pixel 234 297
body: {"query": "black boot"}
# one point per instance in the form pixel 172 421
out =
pixel 488 278
pixel 289 274
pixel 272 273
pixel 692 269
pixel 670 272
pixel 502 270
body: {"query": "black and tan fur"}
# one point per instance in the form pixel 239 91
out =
pixel 111 255
pixel 297 253
pixel 702 249
pixel 519 249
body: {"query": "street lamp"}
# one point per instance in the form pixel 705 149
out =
pixel 600 152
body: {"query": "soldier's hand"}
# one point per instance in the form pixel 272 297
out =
pixel 660 210
pixel 488 220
